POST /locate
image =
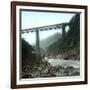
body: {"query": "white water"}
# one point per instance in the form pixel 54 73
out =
pixel 64 63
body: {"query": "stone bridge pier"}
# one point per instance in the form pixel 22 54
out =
pixel 64 30
pixel 38 45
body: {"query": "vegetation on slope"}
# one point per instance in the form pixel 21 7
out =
pixel 69 47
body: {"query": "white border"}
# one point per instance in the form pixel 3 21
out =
pixel 56 79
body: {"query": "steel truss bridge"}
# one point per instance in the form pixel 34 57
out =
pixel 60 26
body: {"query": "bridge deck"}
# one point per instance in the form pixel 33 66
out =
pixel 42 28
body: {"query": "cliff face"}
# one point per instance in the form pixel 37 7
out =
pixel 28 57
pixel 70 46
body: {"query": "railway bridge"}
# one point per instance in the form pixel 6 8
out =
pixel 60 26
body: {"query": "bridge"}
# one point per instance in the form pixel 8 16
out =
pixel 60 26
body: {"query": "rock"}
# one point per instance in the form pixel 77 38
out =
pixel 70 68
pixel 27 76
pixel 45 71
pixel 76 73
pixel 40 68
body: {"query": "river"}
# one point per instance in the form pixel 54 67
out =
pixel 64 63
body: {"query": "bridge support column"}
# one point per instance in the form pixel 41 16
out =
pixel 37 45
pixel 63 31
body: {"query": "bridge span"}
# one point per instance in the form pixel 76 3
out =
pixel 60 26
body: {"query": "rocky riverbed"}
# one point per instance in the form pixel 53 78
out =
pixel 52 68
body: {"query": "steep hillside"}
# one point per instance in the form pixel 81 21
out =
pixel 28 57
pixel 50 40
pixel 70 46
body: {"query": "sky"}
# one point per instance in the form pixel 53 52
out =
pixel 31 19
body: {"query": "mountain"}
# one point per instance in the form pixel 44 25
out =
pixel 44 44
pixel 69 47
